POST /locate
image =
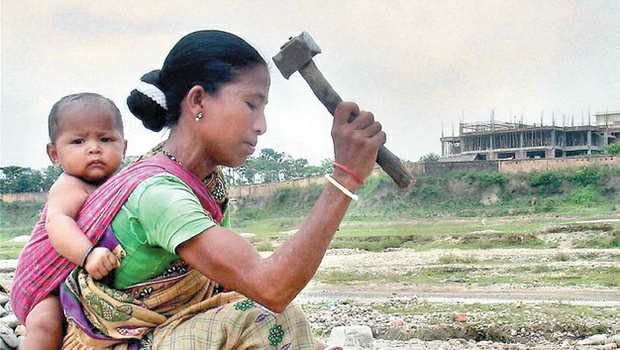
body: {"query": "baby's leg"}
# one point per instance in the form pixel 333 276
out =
pixel 45 325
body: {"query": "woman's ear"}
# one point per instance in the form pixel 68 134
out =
pixel 52 152
pixel 196 99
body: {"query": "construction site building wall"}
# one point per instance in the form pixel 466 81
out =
pixel 446 167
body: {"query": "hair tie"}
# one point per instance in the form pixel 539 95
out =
pixel 153 92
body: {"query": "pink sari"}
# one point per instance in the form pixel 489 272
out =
pixel 41 269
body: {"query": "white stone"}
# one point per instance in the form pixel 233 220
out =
pixel 3 298
pixel 10 320
pixel 352 337
pixel 7 335
pixel 4 346
pixel 21 239
pixel 597 339
pixel 615 339
pixel 610 346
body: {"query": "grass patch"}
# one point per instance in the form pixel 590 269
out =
pixel 535 275
pixel 457 259
pixel 10 249
pixel 601 240
pixel 561 256
pixel 264 246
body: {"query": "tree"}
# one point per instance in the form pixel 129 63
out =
pixel 430 157
pixel 16 179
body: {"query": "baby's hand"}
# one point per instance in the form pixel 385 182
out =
pixel 100 262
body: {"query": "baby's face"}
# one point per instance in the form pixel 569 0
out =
pixel 89 145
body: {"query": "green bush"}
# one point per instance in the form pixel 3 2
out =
pixel 587 176
pixel 586 195
pixel 613 148
pixel 487 179
pixel 546 182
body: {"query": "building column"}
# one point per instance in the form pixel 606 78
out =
pixel 589 141
pixel 553 145
pixel 550 153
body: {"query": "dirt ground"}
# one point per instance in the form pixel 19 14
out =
pixel 402 260
pixel 349 261
pixel 455 292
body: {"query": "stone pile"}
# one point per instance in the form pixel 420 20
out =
pixel 11 331
pixel 390 330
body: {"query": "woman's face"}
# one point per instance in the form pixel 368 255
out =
pixel 234 117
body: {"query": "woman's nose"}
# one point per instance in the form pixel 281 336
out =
pixel 260 124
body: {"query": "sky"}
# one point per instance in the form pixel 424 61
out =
pixel 421 67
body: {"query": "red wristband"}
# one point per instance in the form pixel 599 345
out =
pixel 350 172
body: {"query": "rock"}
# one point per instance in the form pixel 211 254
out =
pixel 4 346
pixel 460 317
pixel 10 320
pixel 3 312
pixel 4 298
pixel 352 337
pixel 21 330
pixel 8 307
pixel 609 346
pixel 7 335
pixel 615 339
pixel 597 339
pixel 21 239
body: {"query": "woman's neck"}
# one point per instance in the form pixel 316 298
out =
pixel 190 155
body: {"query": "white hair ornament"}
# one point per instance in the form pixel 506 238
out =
pixel 153 92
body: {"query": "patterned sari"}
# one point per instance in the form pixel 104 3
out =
pixel 179 309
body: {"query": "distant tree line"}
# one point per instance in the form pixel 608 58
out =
pixel 16 179
pixel 267 167
pixel 272 166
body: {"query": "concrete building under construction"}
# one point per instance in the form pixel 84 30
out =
pixel 501 140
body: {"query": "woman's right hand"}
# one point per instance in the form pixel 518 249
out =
pixel 355 144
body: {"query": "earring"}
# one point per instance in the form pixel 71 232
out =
pixel 198 116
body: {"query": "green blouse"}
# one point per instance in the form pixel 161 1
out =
pixel 159 215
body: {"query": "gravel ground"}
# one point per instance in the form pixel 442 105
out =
pixel 357 303
pixel 329 305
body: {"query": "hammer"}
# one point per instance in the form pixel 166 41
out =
pixel 296 55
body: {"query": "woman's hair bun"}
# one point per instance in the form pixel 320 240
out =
pixel 148 102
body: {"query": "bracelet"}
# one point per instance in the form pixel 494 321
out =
pixel 350 172
pixel 87 254
pixel 341 188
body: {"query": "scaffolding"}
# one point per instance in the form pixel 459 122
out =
pixel 505 140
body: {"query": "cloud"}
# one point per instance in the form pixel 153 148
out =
pixel 417 65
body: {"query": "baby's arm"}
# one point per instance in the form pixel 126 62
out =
pixel 64 203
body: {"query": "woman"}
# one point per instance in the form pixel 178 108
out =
pixel 211 93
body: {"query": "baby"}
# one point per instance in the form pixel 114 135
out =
pixel 86 133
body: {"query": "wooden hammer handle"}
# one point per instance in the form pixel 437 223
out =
pixel 389 162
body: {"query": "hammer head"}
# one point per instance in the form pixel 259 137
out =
pixel 295 54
